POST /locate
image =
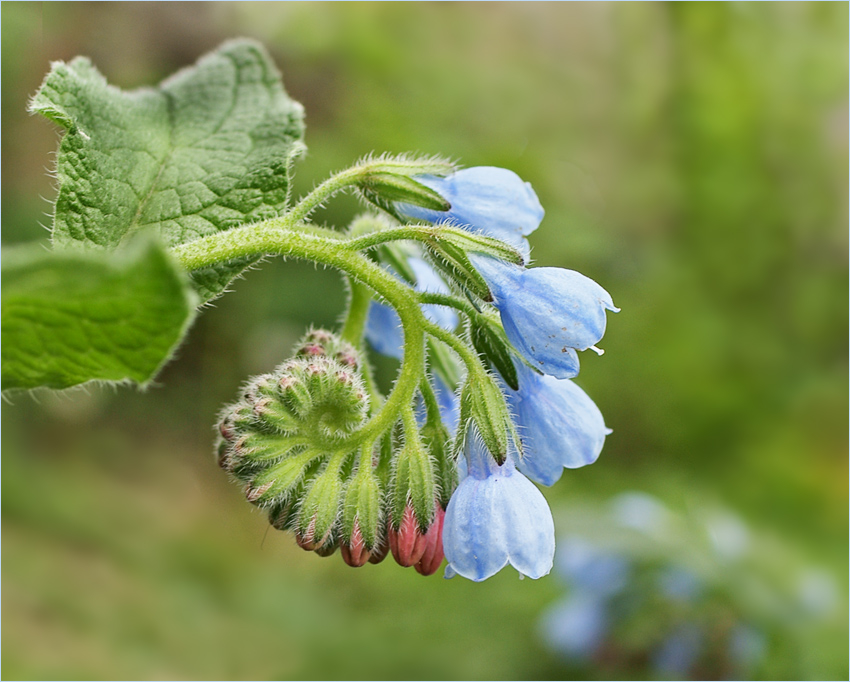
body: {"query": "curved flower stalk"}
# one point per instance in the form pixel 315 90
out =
pixel 559 425
pixel 383 326
pixel 496 517
pixel 314 442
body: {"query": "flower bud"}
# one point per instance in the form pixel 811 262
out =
pixel 407 542
pixel 380 552
pixel 319 509
pixel 354 551
pixel 432 557
pixel 362 508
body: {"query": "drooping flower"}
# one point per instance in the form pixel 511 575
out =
pixel 548 313
pixel 383 326
pixel 493 201
pixel 494 518
pixel 559 425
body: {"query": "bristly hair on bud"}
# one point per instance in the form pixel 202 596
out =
pixel 386 180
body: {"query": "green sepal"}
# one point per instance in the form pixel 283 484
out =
pixel 482 402
pixel 453 262
pixel 384 189
pixel 320 507
pixel 413 479
pixel 276 483
pixel 362 504
pixel 383 181
pixel 475 242
pixel 489 339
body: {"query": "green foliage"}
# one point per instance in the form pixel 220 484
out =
pixel 208 150
pixel 72 317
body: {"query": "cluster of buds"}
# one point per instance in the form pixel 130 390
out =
pixel 289 441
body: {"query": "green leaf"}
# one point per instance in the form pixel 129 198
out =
pixel 73 317
pixel 207 150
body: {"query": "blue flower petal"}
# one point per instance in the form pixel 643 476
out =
pixel 547 313
pixel 496 516
pixel 560 426
pixel 494 201
pixel 383 330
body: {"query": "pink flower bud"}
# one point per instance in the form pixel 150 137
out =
pixel 355 552
pixel 432 557
pixel 324 546
pixel 380 552
pixel 407 543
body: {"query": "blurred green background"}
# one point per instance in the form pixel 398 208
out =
pixel 692 158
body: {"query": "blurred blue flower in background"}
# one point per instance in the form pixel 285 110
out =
pixel 683 598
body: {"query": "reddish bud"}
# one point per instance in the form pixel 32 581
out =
pixel 432 557
pixel 320 336
pixel 380 552
pixel 253 494
pixel 324 546
pixel 312 350
pixel 347 358
pixel 407 543
pixel 354 552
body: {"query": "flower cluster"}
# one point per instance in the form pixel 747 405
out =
pixel 484 406
pixel 497 516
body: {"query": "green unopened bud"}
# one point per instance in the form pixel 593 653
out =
pixel 489 339
pixel 320 508
pixel 255 451
pixel 362 507
pixel 474 242
pixel 482 401
pixel 276 483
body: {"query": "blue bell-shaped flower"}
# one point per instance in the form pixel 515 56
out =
pixel 496 517
pixel 559 425
pixel 493 201
pixel 547 313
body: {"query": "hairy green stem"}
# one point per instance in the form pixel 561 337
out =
pixel 326 190
pixel 460 304
pixel 468 356
pixel 352 331
pixel 273 237
pixel 358 311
